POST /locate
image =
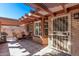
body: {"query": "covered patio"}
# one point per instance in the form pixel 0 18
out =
pixel 39 29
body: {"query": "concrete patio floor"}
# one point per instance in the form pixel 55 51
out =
pixel 19 48
pixel 26 48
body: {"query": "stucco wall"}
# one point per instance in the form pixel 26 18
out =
pixel 37 39
pixel 10 29
pixel 75 35
pixel 7 21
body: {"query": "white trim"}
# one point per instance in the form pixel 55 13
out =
pixel 34 27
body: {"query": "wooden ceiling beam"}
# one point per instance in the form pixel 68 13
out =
pixel 64 8
pixel 33 17
pixel 30 17
pixel 27 18
pixel 42 7
pixel 24 21
pixel 36 13
pixel 73 8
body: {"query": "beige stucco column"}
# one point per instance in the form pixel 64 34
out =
pixel 50 27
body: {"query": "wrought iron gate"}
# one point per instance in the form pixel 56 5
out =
pixel 62 33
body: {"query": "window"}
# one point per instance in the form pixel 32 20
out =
pixel 37 28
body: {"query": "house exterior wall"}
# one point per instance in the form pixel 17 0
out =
pixel 10 26
pixel 39 39
pixel 75 35
pixel 30 28
pixel 12 29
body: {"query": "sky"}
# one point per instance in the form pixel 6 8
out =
pixel 14 10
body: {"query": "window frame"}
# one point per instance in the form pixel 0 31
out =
pixel 37 22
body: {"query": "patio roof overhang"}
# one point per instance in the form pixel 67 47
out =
pixel 43 9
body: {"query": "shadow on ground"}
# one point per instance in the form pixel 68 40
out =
pixel 24 47
pixel 30 46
